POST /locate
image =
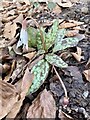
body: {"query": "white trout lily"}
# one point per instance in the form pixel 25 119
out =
pixel 23 36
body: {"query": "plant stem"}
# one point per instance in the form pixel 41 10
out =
pixel 64 88
pixel 42 38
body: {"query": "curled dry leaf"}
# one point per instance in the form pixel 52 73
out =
pixel 64 116
pixel 87 74
pixel 26 83
pixel 29 55
pixel 88 64
pixel 26 1
pixel 77 55
pixel 72 33
pixel 65 4
pixel 8 19
pixel 57 10
pixel 8 97
pixel 43 106
pixel 11 71
pixel 70 24
pixel 19 19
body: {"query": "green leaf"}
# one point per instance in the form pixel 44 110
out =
pixel 34 38
pixel 60 35
pixel 39 39
pixel 62 43
pixel 40 71
pixel 32 32
pixel 51 35
pixel 55 60
pixel 51 5
pixel 40 52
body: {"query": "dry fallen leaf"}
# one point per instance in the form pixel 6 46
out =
pixel 88 64
pixel 43 106
pixel 64 116
pixel 71 23
pixel 29 55
pixel 26 1
pixel 26 83
pixel 66 4
pixel 11 71
pixel 19 18
pixel 8 19
pixel 8 97
pixel 10 30
pixel 78 55
pixel 72 33
pixel 87 74
pixel 57 10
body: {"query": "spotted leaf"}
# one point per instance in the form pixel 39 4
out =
pixel 62 43
pixel 55 60
pixel 40 71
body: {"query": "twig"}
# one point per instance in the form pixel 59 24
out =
pixel 64 88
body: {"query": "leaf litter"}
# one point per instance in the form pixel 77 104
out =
pixel 17 64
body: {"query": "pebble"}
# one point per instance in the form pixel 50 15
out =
pixel 85 94
pixel 84 10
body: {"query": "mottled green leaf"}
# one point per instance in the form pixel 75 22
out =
pixel 39 39
pixel 51 5
pixel 40 52
pixel 60 35
pixel 55 60
pixel 51 35
pixel 40 71
pixel 32 32
pixel 34 38
pixel 64 43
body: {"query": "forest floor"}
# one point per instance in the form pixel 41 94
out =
pixel 76 77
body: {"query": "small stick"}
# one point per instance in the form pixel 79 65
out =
pixel 64 88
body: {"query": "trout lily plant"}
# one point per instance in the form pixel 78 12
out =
pixel 48 43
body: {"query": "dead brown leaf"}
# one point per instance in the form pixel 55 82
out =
pixel 74 1
pixel 26 82
pixel 88 64
pixel 26 1
pixel 57 10
pixel 11 71
pixel 19 18
pixel 64 116
pixel 72 33
pixel 8 97
pixel 71 23
pixel 11 12
pixel 25 85
pixel 78 55
pixel 65 4
pixel 43 106
pixel 5 3
pixel 87 74
pixel 29 55
pixel 8 19
pixel 10 30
